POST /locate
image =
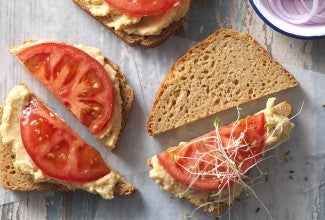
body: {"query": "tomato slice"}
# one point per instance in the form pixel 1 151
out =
pixel 55 149
pixel 76 79
pixel 206 165
pixel 142 7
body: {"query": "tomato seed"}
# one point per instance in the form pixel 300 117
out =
pixel 62 157
pixel 96 108
pixel 38 131
pixel 95 85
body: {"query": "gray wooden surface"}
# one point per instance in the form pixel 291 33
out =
pixel 63 20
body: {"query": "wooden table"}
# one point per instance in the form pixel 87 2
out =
pixel 63 20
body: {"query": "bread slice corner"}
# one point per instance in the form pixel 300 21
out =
pixel 225 70
pixel 147 41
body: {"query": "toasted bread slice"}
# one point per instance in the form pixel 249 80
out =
pixel 146 41
pixel 203 199
pixel 15 179
pixel 224 70
pixel 125 91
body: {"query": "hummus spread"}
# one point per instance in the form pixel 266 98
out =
pixel 16 100
pixel 145 25
pixel 278 130
pixel 109 136
pixel 195 196
pixel 278 127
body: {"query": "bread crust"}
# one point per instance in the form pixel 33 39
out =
pixel 176 80
pixel 148 41
pixel 13 179
pixel 219 208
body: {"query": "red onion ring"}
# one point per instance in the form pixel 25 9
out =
pixel 299 12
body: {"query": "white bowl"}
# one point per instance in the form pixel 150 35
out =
pixel 262 9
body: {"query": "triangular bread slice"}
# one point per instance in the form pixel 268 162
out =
pixel 201 198
pixel 226 69
pixel 15 179
pixel 146 41
pixel 126 92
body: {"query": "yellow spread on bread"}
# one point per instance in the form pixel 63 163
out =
pixel 145 25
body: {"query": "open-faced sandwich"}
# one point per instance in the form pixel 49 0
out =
pixel 40 152
pixel 224 70
pixel 210 171
pixel 147 23
pixel 92 87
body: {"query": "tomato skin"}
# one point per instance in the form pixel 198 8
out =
pixel 142 7
pixel 76 79
pixel 203 155
pixel 56 149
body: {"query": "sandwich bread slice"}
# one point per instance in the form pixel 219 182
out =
pixel 40 152
pixel 224 70
pixel 93 88
pixel 144 23
pixel 210 171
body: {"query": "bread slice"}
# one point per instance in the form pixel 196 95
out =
pixel 226 69
pixel 126 94
pixel 203 199
pixel 146 41
pixel 15 179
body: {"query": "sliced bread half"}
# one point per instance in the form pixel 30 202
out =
pixel 226 69
pixel 13 178
pixel 207 200
pixel 110 135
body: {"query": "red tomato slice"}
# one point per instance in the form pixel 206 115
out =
pixel 79 81
pixel 202 163
pixel 55 149
pixel 142 7
pixel 252 146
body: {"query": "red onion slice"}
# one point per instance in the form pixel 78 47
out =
pixel 299 12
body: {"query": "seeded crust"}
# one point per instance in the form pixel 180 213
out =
pixel 147 41
pixel 126 93
pixel 225 70
pixel 13 179
pixel 284 109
